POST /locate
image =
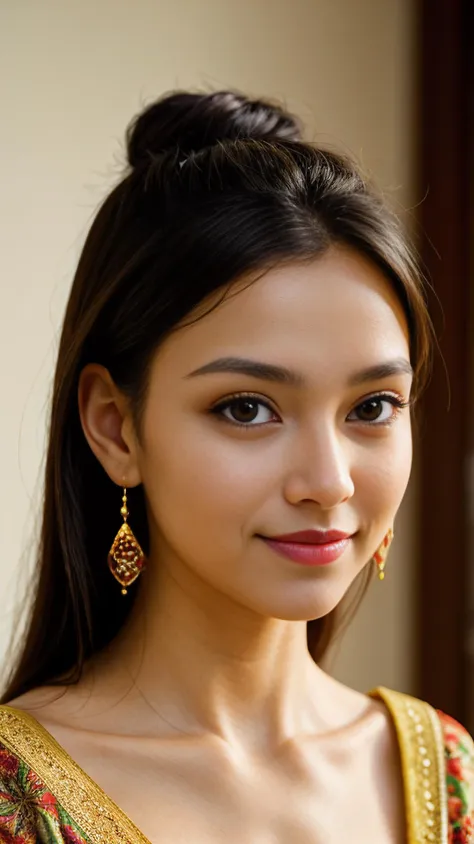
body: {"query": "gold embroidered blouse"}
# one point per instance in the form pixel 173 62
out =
pixel 45 796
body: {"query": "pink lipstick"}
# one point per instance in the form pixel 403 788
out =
pixel 310 547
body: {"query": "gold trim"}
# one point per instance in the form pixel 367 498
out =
pixel 421 745
pixel 419 736
pixel 101 820
pixel 442 783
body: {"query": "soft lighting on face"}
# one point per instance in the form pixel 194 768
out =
pixel 284 408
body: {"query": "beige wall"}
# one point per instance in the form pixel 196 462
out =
pixel 72 76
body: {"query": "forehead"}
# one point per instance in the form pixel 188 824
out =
pixel 336 311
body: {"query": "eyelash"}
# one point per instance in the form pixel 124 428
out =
pixel 398 403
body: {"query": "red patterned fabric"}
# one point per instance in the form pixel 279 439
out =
pixel 459 753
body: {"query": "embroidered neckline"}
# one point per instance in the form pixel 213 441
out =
pixel 419 736
pixel 420 739
pixel 92 809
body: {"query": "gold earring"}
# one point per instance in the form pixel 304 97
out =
pixel 381 553
pixel 126 559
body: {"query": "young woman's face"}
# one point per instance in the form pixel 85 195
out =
pixel 229 457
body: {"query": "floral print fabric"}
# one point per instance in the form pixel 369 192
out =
pixel 29 813
pixel 459 754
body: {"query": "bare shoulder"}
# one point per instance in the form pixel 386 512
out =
pixel 47 704
pixel 352 709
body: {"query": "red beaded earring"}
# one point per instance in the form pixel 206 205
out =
pixel 381 553
pixel 126 559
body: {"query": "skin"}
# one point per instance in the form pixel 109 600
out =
pixel 207 716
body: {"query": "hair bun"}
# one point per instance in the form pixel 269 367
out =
pixel 193 121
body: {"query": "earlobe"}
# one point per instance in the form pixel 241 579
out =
pixel 106 421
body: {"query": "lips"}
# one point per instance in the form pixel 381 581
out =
pixel 312 537
pixel 310 547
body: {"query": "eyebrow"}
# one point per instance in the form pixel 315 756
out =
pixel 283 375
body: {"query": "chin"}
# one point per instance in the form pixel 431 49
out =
pixel 305 603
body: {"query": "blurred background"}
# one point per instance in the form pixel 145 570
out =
pixel 389 81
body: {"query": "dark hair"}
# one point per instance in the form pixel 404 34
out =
pixel 217 185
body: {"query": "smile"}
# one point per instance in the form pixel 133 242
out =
pixel 307 554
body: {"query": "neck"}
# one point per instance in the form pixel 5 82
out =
pixel 205 663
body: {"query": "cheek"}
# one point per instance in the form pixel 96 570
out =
pixel 381 477
pixel 204 483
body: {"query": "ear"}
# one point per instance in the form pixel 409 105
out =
pixel 108 425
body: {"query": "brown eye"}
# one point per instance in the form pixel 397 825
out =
pixel 370 410
pixel 245 411
pixel 378 410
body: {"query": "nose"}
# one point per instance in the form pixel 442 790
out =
pixel 320 470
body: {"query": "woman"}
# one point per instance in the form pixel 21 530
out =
pixel 244 341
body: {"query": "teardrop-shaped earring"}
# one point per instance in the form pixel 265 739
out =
pixel 126 559
pixel 381 553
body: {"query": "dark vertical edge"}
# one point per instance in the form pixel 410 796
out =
pixel 443 154
pixel 470 626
